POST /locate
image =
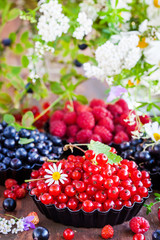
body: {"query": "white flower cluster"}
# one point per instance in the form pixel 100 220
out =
pixel 91 8
pixel 11 225
pixel 52 23
pixel 40 49
pixel 85 26
pixel 113 58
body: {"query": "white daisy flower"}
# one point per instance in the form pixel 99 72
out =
pixel 153 131
pixel 14 231
pixel 55 174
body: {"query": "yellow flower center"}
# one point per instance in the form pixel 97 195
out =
pixel 56 176
pixel 130 83
pixel 156 3
pixel 156 136
pixel 142 43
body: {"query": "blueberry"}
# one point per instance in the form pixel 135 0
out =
pixel 28 87
pixel 40 145
pixel 40 233
pixel 35 137
pixel 1 157
pixel 29 146
pixel 124 145
pixel 2 166
pixel 9 204
pixel 6 42
pixel 82 46
pixel 9 132
pixel 24 133
pixel 33 157
pixel 136 155
pixel 42 137
pixel 6 161
pixel 1 128
pixel 156 235
pixel 9 143
pixel 49 143
pixel 139 148
pixel 15 163
pixel 145 155
pixel 77 63
pixel 2 138
pixel 51 156
pixel 42 159
pixel 33 150
pixel 58 150
pixel 17 138
pixel 44 152
pixel 136 141
pixel 11 154
pixel 4 151
pixel 4 124
pixel 55 140
pixel 156 149
pixel 126 154
pixel 21 153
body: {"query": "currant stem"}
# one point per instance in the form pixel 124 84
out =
pixel 70 146
pixel 33 180
pixel 11 216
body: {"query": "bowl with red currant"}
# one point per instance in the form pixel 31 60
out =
pixel 91 189
pixel 24 150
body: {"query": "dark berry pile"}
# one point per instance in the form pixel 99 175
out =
pixel 148 158
pixel 15 155
pixel 91 183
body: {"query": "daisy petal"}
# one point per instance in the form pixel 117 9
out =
pixel 59 167
pixel 64 175
pixel 51 168
pixel 61 180
pixel 57 182
pixel 55 167
pixel 48 176
pixel 48 171
pixel 49 180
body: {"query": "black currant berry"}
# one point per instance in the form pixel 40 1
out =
pixel 9 204
pixel 40 233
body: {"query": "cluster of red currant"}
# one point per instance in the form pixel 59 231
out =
pixel 92 183
pixel 13 190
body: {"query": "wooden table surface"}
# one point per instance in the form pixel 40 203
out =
pixel 122 232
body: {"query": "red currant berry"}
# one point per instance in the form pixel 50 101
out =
pixel 12 195
pixel 24 185
pixel 46 198
pixel 146 182
pixel 62 205
pixel 88 206
pixel 113 150
pixel 80 186
pixel 98 206
pixel 136 198
pixel 126 183
pixel 108 204
pixel 14 188
pixel 76 175
pixel 118 204
pixel 6 192
pixel 62 198
pixel 70 190
pixel 138 184
pixel 139 236
pixel 113 193
pixel 143 191
pixel 91 190
pixel 35 174
pixel 145 174
pixel 35 192
pixel 123 174
pixel 31 185
pixel 97 180
pixel 72 203
pixel 133 190
pixel 125 194
pixel 101 159
pixel 42 188
pixel 136 175
pixel 82 197
pixel 89 154
pixel 55 190
pixel 68 234
pixel 108 183
pixel 116 180
pixel 132 165
pixel 100 196
pixel 86 164
pixel 127 203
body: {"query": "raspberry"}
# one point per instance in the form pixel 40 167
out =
pixel 20 193
pixel 86 120
pixel 107 123
pixel 139 225
pixel 72 130
pixel 159 214
pixel 83 135
pixel 99 112
pixel 121 137
pixel 10 182
pixel 70 118
pixel 83 108
pixel 58 128
pixel 107 232
pixel 57 115
pixel 71 140
pixel 144 119
pixel 35 219
pixel 97 102
pixel 118 128
pixel 95 137
pixel 45 105
pixel 103 133
pixel 109 114
pixel 115 109
pixel 122 103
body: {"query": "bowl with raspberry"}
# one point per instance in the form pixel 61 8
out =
pixel 93 189
pixel 24 150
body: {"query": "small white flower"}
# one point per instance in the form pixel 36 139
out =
pixel 14 231
pixel 12 221
pixel 153 131
pixel 137 134
pixel 55 174
pixel 152 53
pixel 143 26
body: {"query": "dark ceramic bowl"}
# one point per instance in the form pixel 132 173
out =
pixel 20 174
pixel 80 218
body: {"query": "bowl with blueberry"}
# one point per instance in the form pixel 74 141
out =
pixel 21 151
pixel 146 155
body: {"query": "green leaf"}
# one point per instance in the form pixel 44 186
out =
pixel 24 37
pixel 24 61
pixel 19 48
pixel 12 36
pixel 157 195
pixel 28 119
pixel 25 140
pixel 56 88
pixel 5 98
pixel 8 118
pixel 83 58
pixel 13 13
pixel 81 99
pixel 99 147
